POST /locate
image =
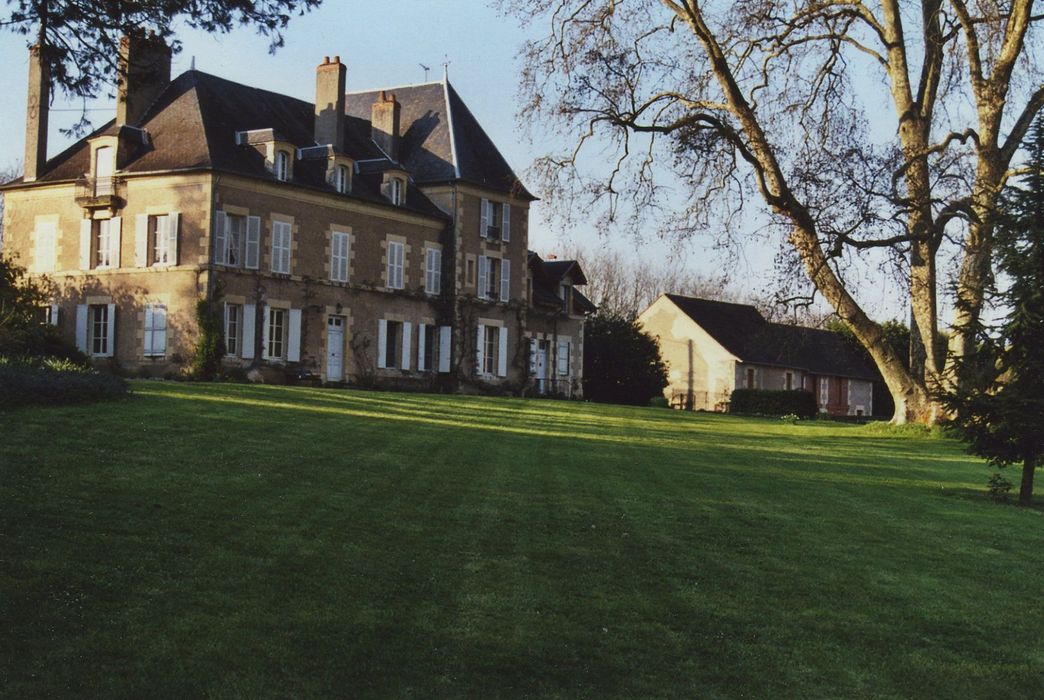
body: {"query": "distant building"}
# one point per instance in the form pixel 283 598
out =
pixel 714 347
pixel 375 237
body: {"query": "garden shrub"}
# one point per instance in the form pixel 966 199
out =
pixel 761 402
pixel 51 381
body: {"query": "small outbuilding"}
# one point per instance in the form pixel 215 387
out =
pixel 714 347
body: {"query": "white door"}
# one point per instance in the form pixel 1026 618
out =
pixel 335 349
pixel 541 367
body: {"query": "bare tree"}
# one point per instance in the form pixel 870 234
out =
pixel 722 101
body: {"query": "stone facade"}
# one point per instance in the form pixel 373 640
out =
pixel 358 285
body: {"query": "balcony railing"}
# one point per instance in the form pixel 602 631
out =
pixel 99 192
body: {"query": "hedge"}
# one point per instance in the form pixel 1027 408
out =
pixel 49 383
pixel 761 402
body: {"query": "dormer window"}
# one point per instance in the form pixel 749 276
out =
pixel 282 166
pixel 565 292
pixel 396 190
pixel 104 169
pixel 342 179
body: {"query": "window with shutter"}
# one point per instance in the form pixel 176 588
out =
pixel 433 271
pixel 98 340
pixel 339 256
pixel 281 247
pixel 505 280
pixel 275 334
pixel 505 226
pixel 483 217
pixel 247 344
pixel 445 341
pixel 252 258
pixel 232 324
pixel 155 330
pixel 396 256
pixel 563 358
pixel 483 277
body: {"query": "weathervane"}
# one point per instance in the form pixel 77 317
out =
pixel 426 69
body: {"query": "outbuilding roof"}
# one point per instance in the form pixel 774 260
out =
pixel 744 332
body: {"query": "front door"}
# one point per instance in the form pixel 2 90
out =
pixel 335 349
pixel 540 367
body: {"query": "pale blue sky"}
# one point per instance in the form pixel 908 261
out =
pixel 383 45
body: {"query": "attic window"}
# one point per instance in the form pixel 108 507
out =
pixel 396 191
pixel 566 293
pixel 282 165
pixel 342 179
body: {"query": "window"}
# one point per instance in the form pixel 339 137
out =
pixel 565 293
pixel 824 391
pixel 563 358
pixel 396 260
pixel 232 325
pixel 45 254
pixel 788 381
pixel 488 273
pixel 104 167
pixel 489 356
pixel 281 247
pixel 393 344
pixel 339 256
pixel 106 243
pixel 342 179
pixel 98 327
pixel 395 189
pixel 750 377
pixel 155 330
pixel 433 271
pixel 164 237
pixel 428 357
pixel 282 165
pixel 470 274
pixel 276 335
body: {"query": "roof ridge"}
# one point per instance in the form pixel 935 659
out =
pixel 393 87
pixel 281 95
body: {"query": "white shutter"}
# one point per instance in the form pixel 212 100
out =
pixel 220 237
pixel 505 229
pixel 293 346
pixel 266 322
pixel 141 240
pixel 421 347
pixel 246 341
pixel 54 314
pixel 110 331
pixel 81 328
pixel 483 217
pixel 115 224
pixel 173 237
pixel 437 272
pixel 483 276
pixel 150 317
pixel 382 342
pixel 252 259
pixel 502 360
pixel 85 244
pixel 159 334
pixel 480 348
pixel 445 340
pixel 505 280
pixel 406 328
pixel 533 349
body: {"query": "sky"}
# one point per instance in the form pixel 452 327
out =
pixel 384 44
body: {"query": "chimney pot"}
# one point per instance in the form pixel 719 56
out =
pixel 337 59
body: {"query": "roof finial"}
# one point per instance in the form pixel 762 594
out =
pixel 192 66
pixel 445 68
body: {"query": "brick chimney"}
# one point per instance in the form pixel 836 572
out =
pixel 384 120
pixel 39 103
pixel 143 74
pixel 329 102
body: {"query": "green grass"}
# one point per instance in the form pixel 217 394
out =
pixel 240 541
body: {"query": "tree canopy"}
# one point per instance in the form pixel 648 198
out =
pixel 621 362
pixel 879 129
pixel 80 39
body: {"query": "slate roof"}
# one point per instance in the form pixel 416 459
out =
pixel 442 141
pixel 547 274
pixel 193 123
pixel 745 333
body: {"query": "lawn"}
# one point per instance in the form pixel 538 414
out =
pixel 245 541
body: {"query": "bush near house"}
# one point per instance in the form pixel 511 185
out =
pixel 622 362
pixel 43 381
pixel 761 402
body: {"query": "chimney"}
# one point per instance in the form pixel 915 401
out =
pixel 39 103
pixel 143 74
pixel 385 124
pixel 329 102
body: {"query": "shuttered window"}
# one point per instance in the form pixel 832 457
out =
pixel 281 247
pixel 232 329
pixel 339 256
pixel 563 358
pixel 99 325
pixel 433 271
pixel 155 330
pixel 276 334
pixel 396 259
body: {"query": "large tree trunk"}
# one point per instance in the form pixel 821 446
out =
pixel 1026 489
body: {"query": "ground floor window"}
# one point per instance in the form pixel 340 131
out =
pixel 233 323
pixel 98 327
pixel 824 391
pixel 155 330
pixel 429 359
pixel 563 358
pixel 788 381
pixel 276 334
pixel 393 344
pixel 491 342
pixel 750 378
